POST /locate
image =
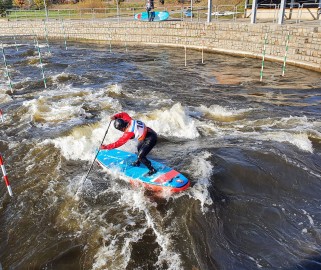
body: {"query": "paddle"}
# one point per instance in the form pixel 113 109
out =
pixel 84 179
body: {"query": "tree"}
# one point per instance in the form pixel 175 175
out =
pixel 2 9
pixel 39 3
pixel 4 5
pixel 19 3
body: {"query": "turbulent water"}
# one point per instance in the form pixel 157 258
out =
pixel 251 150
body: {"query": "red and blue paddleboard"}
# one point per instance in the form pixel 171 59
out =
pixel 165 179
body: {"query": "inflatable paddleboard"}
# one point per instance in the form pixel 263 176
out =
pixel 159 16
pixel 164 179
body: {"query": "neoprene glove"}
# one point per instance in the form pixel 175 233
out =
pixel 105 147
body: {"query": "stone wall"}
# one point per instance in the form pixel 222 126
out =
pixel 304 48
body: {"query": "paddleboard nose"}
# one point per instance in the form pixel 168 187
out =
pixel 178 181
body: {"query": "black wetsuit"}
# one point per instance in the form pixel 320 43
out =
pixel 145 146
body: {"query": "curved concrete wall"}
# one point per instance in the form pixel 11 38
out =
pixel 304 48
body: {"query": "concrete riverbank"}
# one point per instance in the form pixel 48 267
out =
pixel 243 39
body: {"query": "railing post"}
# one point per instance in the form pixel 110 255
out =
pixel 254 9
pixel 281 12
pixel 245 8
pixel 209 11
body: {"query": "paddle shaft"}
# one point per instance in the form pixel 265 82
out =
pixel 97 153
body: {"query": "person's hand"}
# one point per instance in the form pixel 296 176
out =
pixel 112 117
pixel 105 147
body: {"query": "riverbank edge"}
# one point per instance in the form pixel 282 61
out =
pixel 300 45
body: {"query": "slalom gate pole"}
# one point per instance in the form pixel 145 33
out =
pixel 14 38
pixel 203 52
pixel 35 37
pixel 15 42
pixel 41 65
pixel 110 37
pixel 185 46
pixel 5 177
pixel 63 29
pixel 263 57
pixel 202 35
pixel 286 53
pixel 126 41
pixel 35 42
pixel 1 115
pixel 46 31
pixel 7 70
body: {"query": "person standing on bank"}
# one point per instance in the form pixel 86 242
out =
pixel 134 129
pixel 150 10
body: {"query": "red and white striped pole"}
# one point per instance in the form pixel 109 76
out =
pixel 1 115
pixel 5 177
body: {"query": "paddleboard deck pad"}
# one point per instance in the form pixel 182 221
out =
pixel 158 16
pixel 164 179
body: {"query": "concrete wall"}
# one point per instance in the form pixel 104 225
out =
pixel 224 37
pixel 299 14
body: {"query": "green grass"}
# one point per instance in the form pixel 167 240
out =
pixel 63 13
pixel 39 14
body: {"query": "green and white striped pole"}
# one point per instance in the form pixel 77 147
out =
pixel 7 70
pixel 34 41
pixel 46 31
pixel 286 53
pixel 14 38
pixel 263 57
pixel 15 42
pixel 41 65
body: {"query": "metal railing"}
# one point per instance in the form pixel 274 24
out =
pixel 295 13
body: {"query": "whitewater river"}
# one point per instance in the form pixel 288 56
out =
pixel 251 150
